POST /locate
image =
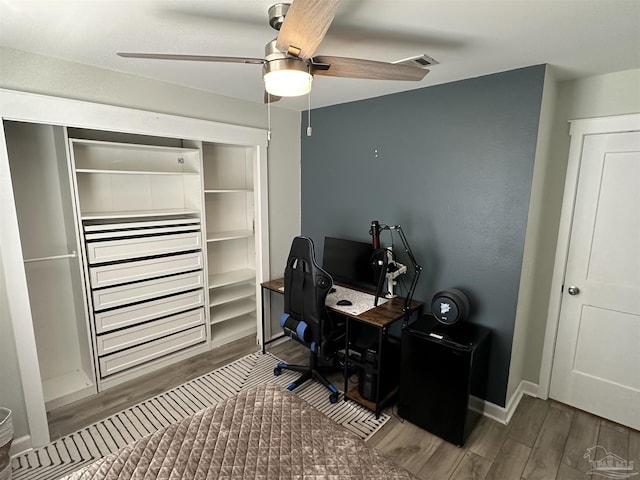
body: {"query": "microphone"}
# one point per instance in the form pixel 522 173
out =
pixel 375 234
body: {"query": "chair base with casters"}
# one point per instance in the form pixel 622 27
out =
pixel 309 372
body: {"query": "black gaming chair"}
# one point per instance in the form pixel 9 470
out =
pixel 305 316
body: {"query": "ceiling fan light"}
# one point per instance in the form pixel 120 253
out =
pixel 287 83
pixel 287 77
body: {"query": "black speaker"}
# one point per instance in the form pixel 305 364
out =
pixel 450 306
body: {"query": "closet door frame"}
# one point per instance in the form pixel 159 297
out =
pixel 34 108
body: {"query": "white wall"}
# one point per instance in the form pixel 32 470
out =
pixel 537 264
pixel 602 95
pixel 38 74
pixel 10 383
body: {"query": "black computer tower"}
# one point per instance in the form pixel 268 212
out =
pixel 378 361
pixel 442 369
pixel 368 382
pixel 368 374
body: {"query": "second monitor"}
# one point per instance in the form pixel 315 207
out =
pixel 349 262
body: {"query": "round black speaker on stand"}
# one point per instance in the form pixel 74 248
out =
pixel 450 306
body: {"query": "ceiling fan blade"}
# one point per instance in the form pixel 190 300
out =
pixel 305 25
pixel 268 98
pixel 369 69
pixel 192 58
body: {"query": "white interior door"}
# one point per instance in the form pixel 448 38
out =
pixel 596 364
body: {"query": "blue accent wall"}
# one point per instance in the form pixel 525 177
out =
pixel 452 164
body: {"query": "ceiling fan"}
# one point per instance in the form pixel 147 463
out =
pixel 289 64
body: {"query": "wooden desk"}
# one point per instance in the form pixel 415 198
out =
pixel 380 317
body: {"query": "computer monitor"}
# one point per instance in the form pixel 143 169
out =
pixel 349 262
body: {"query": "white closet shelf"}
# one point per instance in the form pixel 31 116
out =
pixel 225 332
pixel 51 257
pixel 88 143
pixel 97 156
pixel 229 278
pixel 138 213
pixel 132 172
pixel 232 293
pixel 231 311
pixel 229 235
pixel 228 190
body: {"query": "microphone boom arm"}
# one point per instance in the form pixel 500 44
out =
pixel 416 267
pixel 375 230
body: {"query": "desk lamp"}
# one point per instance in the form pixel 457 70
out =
pixel 383 260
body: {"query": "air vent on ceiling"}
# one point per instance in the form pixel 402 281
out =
pixel 421 61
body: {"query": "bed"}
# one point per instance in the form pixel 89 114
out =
pixel 263 433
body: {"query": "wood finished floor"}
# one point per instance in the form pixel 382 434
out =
pixel 72 417
pixel 545 440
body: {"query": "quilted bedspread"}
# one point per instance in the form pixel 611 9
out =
pixel 263 433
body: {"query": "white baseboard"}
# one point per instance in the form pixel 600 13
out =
pixel 504 414
pixel 20 445
pixel 277 341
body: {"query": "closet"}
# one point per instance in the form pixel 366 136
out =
pixel 140 209
pixel 230 209
pixel 51 248
pixel 144 240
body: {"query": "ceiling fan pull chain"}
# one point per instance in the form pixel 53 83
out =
pixel 309 131
pixel 268 119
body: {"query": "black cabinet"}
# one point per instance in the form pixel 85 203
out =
pixel 442 369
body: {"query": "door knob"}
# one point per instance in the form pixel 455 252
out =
pixel 573 290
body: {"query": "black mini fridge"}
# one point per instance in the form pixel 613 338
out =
pixel 443 367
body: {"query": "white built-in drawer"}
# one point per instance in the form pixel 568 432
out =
pixel 138 292
pixel 131 337
pixel 106 231
pixel 132 357
pixel 128 248
pixel 126 272
pixel 141 312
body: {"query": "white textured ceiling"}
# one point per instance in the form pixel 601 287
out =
pixel 468 37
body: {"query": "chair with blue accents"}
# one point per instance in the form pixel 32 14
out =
pixel 305 317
